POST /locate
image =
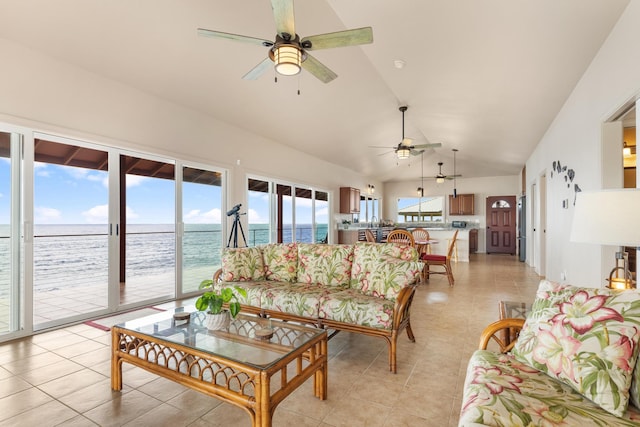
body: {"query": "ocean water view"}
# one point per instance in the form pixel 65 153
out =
pixel 69 255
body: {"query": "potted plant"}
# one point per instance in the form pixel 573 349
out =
pixel 346 223
pixel 213 300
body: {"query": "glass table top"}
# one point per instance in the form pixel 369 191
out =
pixel 238 343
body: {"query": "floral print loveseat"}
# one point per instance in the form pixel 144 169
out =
pixel 365 287
pixel 574 363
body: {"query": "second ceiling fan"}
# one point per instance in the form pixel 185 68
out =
pixel 405 147
pixel 440 177
pixel 289 52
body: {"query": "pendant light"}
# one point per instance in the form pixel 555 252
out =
pixel 455 192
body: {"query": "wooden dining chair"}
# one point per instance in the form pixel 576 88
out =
pixel 400 236
pixel 368 234
pixel 420 234
pixel 431 260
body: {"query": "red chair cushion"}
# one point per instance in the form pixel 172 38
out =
pixel 430 257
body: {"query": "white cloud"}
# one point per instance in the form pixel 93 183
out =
pixel 1 195
pixel 196 216
pixel 41 169
pixel 97 214
pixel 77 173
pixel 254 217
pixel 135 180
pixel 47 215
pixel 131 214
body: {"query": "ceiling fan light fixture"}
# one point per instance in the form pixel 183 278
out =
pixel 287 59
pixel 403 153
pixel 439 180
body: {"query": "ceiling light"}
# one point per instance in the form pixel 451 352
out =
pixel 403 153
pixel 399 64
pixel 439 179
pixel 626 150
pixel 420 191
pixel 287 59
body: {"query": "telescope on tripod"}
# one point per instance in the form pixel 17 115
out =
pixel 233 236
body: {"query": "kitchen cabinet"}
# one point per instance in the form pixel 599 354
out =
pixel 473 241
pixel 461 205
pixel 349 200
pixel 347 237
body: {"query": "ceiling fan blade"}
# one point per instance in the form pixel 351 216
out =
pixel 283 15
pixel 416 152
pixel 453 176
pixel 234 37
pixel 379 146
pixel 384 154
pixel 430 145
pixel 256 72
pixel 319 70
pixel 344 38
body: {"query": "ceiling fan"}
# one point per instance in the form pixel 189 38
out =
pixel 440 177
pixel 288 52
pixel 405 148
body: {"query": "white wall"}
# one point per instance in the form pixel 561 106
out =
pixel 481 187
pixel 575 139
pixel 42 93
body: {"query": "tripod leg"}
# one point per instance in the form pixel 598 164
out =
pixel 234 231
pixel 243 237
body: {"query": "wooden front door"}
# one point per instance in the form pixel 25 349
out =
pixel 501 224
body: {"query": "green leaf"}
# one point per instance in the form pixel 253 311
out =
pixel 241 291
pixel 215 305
pixel 201 304
pixel 226 294
pixel 234 308
pixel 206 284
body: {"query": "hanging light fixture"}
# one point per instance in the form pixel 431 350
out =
pixel 455 192
pixel 626 150
pixel 403 153
pixel 287 59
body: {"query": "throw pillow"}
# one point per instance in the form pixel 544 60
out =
pixel 586 338
pixel 327 265
pixel 390 276
pixel 281 261
pixel 242 264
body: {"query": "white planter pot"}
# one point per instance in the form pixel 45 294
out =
pixel 217 322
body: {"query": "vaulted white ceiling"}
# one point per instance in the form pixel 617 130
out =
pixel 486 77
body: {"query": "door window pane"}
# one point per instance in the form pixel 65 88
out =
pixel 147 234
pixel 202 218
pixel 11 248
pixel 304 216
pixel 70 244
pixel 258 212
pixel 284 214
pixel 322 217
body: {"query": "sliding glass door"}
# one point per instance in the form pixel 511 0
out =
pixel 146 230
pixel 201 225
pixel 11 248
pixel 70 233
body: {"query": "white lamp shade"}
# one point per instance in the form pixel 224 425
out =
pixel 403 153
pixel 607 217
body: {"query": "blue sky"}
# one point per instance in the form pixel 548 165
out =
pixel 71 195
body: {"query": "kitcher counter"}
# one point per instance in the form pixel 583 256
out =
pixel 467 240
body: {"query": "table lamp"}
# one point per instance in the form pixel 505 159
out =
pixel 609 217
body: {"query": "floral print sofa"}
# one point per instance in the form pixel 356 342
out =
pixel 574 363
pixel 365 288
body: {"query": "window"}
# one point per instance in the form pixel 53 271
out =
pixel 425 209
pixel 282 213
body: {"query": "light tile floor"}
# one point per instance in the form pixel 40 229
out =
pixel 62 377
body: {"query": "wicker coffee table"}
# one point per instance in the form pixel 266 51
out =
pixel 233 365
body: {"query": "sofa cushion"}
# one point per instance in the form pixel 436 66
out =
pixel 327 265
pixel 389 276
pixel 281 261
pixel 586 338
pixel 367 256
pixel 300 299
pixel 242 264
pixel 352 306
pixel 253 289
pixel 501 391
